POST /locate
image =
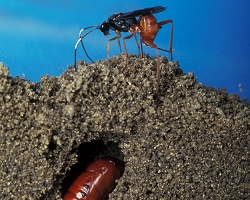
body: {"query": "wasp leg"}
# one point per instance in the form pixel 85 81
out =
pixel 138 46
pixel 142 53
pixel 112 39
pixel 125 46
pixel 171 36
pixel 158 72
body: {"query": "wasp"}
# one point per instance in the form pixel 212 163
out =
pixel 140 21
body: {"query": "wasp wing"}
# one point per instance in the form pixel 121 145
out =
pixel 141 12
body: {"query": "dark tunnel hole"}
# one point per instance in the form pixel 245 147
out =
pixel 87 153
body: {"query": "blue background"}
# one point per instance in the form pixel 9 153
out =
pixel 211 38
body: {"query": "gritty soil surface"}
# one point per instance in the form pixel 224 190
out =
pixel 190 142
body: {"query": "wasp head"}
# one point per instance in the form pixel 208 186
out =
pixel 105 28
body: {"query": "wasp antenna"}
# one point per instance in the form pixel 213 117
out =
pixel 76 45
pixel 80 33
pixel 80 40
pixel 83 29
pixel 86 51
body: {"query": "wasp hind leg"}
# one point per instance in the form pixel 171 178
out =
pixel 171 36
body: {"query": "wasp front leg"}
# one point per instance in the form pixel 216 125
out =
pixel 112 39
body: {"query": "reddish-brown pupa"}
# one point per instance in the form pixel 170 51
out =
pixel 97 181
